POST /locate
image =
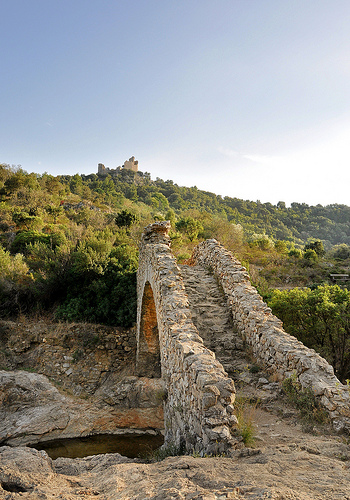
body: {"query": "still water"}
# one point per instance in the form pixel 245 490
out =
pixel 128 445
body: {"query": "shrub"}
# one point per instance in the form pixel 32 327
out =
pixel 24 238
pixel 245 413
pixel 305 401
pixel 13 267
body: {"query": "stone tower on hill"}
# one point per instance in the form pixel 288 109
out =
pixel 130 164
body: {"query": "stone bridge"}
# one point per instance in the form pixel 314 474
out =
pixel 198 394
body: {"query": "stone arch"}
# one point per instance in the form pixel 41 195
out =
pixel 198 395
pixel 148 349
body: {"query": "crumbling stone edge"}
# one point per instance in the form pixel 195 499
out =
pixel 199 396
pixel 281 354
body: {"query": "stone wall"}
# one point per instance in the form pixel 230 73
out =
pixel 281 354
pixel 77 357
pixel 198 395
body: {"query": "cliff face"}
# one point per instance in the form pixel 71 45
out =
pixel 77 357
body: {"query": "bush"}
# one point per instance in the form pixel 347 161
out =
pixel 126 218
pixel 340 252
pixel 245 413
pixel 320 318
pixel 295 252
pixel 16 292
pixel 104 290
pixel 310 255
pixel 13 267
pixel 305 401
pixel 25 238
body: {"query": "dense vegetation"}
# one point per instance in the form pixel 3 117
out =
pixel 69 245
pixel 320 318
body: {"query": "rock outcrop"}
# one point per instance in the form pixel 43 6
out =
pixel 77 357
pixel 286 472
pixel 32 410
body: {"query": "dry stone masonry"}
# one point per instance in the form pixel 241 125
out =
pixel 198 395
pixel 281 354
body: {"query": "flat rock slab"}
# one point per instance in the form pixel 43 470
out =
pixel 32 410
pixel 284 472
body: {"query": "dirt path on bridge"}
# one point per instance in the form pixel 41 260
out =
pixel 277 424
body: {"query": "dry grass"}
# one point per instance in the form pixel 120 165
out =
pixel 246 416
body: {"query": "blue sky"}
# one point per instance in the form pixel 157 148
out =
pixel 244 98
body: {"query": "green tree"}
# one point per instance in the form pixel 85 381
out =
pixel 341 252
pixel 55 212
pixel 320 318
pixel 281 246
pixel 101 286
pixel 24 238
pixel 24 220
pixel 317 246
pixel 310 255
pixel 126 218
pixel 189 226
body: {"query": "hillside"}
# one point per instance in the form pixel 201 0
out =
pixel 69 248
pixel 69 244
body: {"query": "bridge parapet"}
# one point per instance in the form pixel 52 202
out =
pixel 198 406
pixel 280 353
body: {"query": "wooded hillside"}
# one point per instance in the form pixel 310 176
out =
pixel 69 243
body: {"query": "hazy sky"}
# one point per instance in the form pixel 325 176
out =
pixel 245 98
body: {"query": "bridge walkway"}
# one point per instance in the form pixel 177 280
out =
pixel 213 319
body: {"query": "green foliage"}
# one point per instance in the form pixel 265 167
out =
pixel 310 255
pixel 78 236
pixel 55 212
pixel 296 253
pixel 125 218
pixel 159 201
pixel 245 413
pixel 25 220
pixel 15 283
pixel 317 246
pixel 261 241
pixel 25 238
pixel 14 182
pixel 13 267
pixel 305 401
pixel 281 246
pixel 341 252
pixel 101 286
pixel 320 318
pixel 91 256
pixel 170 216
pixel 190 227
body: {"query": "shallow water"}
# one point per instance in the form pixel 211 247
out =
pixel 128 445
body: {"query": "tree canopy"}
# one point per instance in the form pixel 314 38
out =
pixel 69 244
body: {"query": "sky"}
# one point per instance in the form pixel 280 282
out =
pixel 243 98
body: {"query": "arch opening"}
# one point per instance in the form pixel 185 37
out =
pixel 148 349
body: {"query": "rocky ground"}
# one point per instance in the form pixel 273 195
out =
pixel 288 459
pixel 285 464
